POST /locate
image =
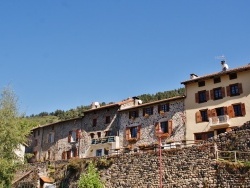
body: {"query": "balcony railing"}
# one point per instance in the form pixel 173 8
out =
pixel 103 140
pixel 219 120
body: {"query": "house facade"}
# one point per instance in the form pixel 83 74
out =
pixel 94 134
pixel 139 125
pixel 217 102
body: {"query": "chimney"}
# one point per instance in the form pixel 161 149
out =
pixel 192 76
pixel 224 65
pixel 95 105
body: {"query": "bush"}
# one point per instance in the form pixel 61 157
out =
pixel 91 179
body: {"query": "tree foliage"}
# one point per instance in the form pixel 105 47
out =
pixel 13 132
pixel 91 179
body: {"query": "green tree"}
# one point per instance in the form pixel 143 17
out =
pixel 91 179
pixel 14 130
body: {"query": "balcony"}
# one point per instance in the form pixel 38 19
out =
pixel 219 121
pixel 104 140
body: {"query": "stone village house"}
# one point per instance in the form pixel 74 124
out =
pixel 213 104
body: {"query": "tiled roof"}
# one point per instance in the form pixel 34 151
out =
pixel 155 102
pixel 239 69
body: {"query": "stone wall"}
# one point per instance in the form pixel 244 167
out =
pixel 148 136
pixel 194 166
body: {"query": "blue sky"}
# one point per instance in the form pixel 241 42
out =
pixel 62 54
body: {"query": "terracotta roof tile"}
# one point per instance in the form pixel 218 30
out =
pixel 238 69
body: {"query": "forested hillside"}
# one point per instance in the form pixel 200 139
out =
pixel 59 115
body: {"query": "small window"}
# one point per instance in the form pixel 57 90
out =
pixel 108 133
pixel 202 96
pixel 51 137
pixel 232 76
pixel 99 152
pixel 203 136
pixel 92 135
pixel 164 126
pixel 217 93
pixel 133 114
pixel 133 132
pixel 107 119
pixel 148 111
pixel 164 107
pixel 99 134
pixel 201 83
pixel 94 122
pixel 217 80
pixel 237 110
pixel 106 151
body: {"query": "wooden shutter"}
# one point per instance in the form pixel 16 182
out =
pixel 157 127
pixel 75 152
pixel 209 113
pixel 243 110
pixel 196 97
pixel 240 88
pixel 198 117
pixel 207 95
pixel 127 132
pixel 228 91
pixel 69 136
pixel 230 111
pixel 225 110
pixel 213 112
pixel 69 154
pixel 139 132
pixel 78 134
pixel 223 92
pixel 170 127
pixel 64 155
pixel 212 94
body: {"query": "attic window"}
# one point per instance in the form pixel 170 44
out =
pixel 201 83
pixel 232 76
pixel 217 80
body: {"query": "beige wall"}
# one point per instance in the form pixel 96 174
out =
pixel 192 107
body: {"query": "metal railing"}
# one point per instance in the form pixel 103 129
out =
pixel 232 155
pixel 103 140
pixel 216 120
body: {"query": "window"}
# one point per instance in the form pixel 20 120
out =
pixel 201 116
pixel 232 76
pixel 94 122
pixel 201 83
pixel 133 133
pixel 217 80
pixel 99 134
pixel 74 136
pixel 203 136
pixel 147 111
pixel 217 93
pixel 106 151
pixel 239 109
pixel 133 114
pixel 107 119
pixel 219 131
pixel 165 127
pixel 234 89
pixel 92 135
pixel 202 96
pixel 108 133
pixel 51 137
pixel 99 152
pixel 163 108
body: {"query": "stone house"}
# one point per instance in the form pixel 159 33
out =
pixel 217 102
pixel 94 134
pixel 140 124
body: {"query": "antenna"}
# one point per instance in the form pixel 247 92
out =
pixel 221 57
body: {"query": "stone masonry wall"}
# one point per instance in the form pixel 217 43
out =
pixel 175 113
